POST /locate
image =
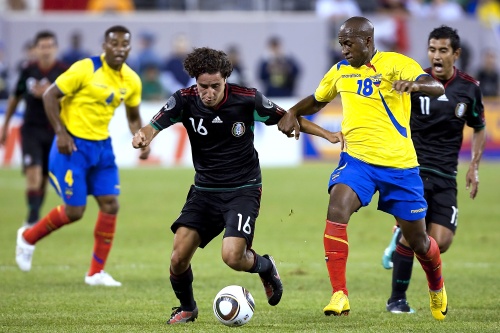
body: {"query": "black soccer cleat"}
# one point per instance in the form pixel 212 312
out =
pixel 272 283
pixel 179 316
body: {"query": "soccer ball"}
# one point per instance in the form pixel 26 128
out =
pixel 234 306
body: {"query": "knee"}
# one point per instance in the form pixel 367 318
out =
pixel 339 214
pixel 419 243
pixel 233 260
pixel 444 243
pixel 110 206
pixel 74 213
pixel 178 263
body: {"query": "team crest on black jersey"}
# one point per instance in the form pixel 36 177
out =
pixel 238 129
pixel 266 102
pixel 460 110
pixel 170 103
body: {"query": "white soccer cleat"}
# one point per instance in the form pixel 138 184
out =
pixel 24 251
pixel 102 279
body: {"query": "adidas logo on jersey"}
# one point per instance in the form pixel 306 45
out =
pixel 217 120
pixel 443 98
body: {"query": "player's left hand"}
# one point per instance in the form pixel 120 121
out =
pixel 145 153
pixel 336 137
pixel 403 86
pixel 472 182
pixel 289 125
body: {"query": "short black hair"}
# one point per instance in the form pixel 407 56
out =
pixel 43 35
pixel 206 60
pixel 446 32
pixel 115 28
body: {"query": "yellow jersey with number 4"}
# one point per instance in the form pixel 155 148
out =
pixel 376 118
pixel 92 91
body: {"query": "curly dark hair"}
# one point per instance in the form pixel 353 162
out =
pixel 206 60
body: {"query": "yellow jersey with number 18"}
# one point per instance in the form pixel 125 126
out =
pixel 92 91
pixel 376 118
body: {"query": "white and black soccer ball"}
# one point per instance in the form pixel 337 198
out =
pixel 234 306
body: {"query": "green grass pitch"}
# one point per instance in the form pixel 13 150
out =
pixel 53 297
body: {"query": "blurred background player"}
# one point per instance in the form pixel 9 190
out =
pixel 80 105
pixel 437 125
pixel 36 132
pixel 219 118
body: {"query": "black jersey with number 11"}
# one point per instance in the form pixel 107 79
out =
pixel 221 138
pixel 437 123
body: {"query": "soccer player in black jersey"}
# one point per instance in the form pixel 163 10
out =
pixel 36 132
pixel 219 118
pixel 437 125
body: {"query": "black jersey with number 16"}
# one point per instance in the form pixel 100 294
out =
pixel 221 138
pixel 437 123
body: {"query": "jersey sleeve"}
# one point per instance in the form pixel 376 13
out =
pixel 267 111
pixel 475 118
pixel 169 114
pixel 408 69
pixel 135 97
pixel 73 79
pixel 21 88
pixel 326 90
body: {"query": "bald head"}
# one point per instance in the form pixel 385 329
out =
pixel 356 40
pixel 357 26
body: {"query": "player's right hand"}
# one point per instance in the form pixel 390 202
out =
pixel 65 143
pixel 139 140
pixel 289 125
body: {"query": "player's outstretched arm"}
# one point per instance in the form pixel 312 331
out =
pixel 309 127
pixel 144 136
pixel 425 84
pixel 289 123
pixel 135 123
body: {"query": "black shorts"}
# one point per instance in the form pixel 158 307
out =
pixel 441 196
pixel 36 143
pixel 211 212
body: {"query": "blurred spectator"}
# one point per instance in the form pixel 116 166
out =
pixel 17 4
pixel 488 12
pixel 110 5
pixel 75 51
pixel 336 11
pixel 278 71
pixel 152 89
pixel 392 32
pixel 173 76
pixel 4 71
pixel 465 57
pixel 443 10
pixel 488 75
pixel 147 56
pixel 29 55
pixel 238 76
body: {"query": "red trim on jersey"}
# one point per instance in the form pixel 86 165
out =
pixel 369 65
pixel 191 91
pixel 243 91
pixel 467 77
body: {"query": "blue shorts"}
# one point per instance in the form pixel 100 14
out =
pixel 401 192
pixel 89 170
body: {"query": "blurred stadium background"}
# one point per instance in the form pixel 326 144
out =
pixel 53 298
pixel 306 30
